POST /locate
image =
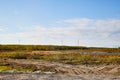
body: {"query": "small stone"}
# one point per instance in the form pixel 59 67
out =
pixel 37 72
pixel 49 72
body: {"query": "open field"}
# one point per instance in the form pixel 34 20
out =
pixel 75 64
pixel 71 57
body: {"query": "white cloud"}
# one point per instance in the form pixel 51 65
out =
pixel 89 32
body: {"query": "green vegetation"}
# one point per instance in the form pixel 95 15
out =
pixel 37 47
pixel 10 69
pixel 53 48
pixel 5 68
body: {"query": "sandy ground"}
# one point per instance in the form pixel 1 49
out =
pixel 61 71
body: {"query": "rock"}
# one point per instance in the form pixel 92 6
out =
pixel 37 72
pixel 48 72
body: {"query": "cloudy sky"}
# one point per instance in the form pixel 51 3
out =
pixel 60 22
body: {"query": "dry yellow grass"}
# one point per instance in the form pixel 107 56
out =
pixel 64 56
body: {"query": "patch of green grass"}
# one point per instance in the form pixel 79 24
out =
pixel 113 59
pixel 5 68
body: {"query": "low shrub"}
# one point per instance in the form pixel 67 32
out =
pixel 18 55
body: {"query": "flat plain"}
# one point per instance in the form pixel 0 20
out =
pixel 60 65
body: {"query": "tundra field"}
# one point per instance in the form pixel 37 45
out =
pixel 46 62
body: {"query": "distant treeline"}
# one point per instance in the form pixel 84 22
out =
pixel 53 47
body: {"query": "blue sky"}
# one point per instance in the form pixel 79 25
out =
pixel 91 22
